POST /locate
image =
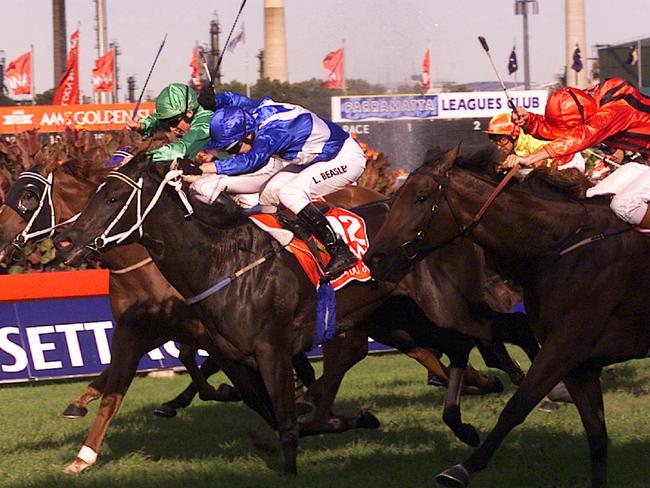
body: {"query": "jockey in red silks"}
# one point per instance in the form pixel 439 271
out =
pixel 613 112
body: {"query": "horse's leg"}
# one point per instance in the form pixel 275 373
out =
pixel 584 387
pixel 553 362
pixel 79 406
pixel 339 355
pixel 495 355
pixel 457 347
pixel 127 347
pixel 277 373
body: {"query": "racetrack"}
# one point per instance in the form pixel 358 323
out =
pixel 222 445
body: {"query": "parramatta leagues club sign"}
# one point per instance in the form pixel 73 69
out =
pixel 438 106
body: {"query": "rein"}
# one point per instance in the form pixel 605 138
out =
pixel 133 267
pixel 411 249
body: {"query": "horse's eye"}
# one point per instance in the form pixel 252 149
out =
pixel 112 200
pixel 29 200
pixel 421 198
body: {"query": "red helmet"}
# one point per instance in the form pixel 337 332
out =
pixel 569 108
pixel 502 124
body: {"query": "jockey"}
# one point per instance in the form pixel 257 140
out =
pixel 289 156
pixel 615 113
pixel 179 112
pixel 511 139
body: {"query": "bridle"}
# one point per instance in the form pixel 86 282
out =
pixel 172 178
pixel 413 248
pixel 39 185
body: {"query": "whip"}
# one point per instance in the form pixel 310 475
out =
pixel 137 105
pixel 484 43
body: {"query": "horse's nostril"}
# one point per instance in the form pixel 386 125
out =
pixel 61 243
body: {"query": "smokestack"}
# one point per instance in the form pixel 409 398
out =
pixel 575 34
pixel 275 41
pixel 59 38
pixel 214 49
pixel 100 26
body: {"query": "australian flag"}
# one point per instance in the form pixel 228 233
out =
pixel 512 61
pixel 577 60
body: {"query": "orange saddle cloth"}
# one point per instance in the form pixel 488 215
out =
pixel 348 225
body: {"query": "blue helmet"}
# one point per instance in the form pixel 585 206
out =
pixel 228 126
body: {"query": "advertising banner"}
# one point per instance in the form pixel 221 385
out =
pixel 60 325
pixel 55 118
pixel 473 105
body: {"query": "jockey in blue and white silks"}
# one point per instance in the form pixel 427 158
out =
pixel 286 154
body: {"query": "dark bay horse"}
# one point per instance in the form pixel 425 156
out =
pixel 583 273
pixel 258 321
pixel 139 292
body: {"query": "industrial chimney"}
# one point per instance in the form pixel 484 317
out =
pixel 213 57
pixel 59 38
pixel 275 41
pixel 575 34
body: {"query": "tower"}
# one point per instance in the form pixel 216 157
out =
pixel 59 38
pixel 275 41
pixel 575 34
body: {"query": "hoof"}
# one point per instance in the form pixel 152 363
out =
pixel 548 406
pixel 469 435
pixel 368 421
pixel 165 411
pixel 226 393
pixel 74 411
pixel 497 386
pixel 454 477
pixel 303 407
pixel 76 466
pixel 559 393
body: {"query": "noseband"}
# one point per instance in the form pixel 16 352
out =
pixel 411 249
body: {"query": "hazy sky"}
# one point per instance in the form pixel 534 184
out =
pixel 384 39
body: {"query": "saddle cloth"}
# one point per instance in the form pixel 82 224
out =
pixel 348 225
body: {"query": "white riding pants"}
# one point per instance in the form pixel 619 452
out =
pixel 630 185
pixel 292 185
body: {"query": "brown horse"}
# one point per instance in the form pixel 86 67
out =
pixel 139 293
pixel 581 268
pixel 245 330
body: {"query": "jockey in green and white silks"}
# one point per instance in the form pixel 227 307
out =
pixel 177 111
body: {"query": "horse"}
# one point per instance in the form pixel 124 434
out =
pixel 137 287
pixel 582 271
pixel 259 320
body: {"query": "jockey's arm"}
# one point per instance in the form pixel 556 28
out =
pixel 190 144
pixel 265 145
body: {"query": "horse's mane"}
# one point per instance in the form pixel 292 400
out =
pixel 549 183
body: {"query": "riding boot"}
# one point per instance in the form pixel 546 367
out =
pixel 341 258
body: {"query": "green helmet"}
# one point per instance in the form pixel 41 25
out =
pixel 176 99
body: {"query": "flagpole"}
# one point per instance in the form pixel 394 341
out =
pixel 345 86
pixel 31 74
pixel 638 63
pixel 430 48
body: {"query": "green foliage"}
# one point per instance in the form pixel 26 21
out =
pixel 45 98
pixel 5 101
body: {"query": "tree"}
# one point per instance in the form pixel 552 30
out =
pixel 45 98
pixel 5 101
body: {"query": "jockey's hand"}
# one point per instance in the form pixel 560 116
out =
pixel 520 116
pixel 133 124
pixel 189 167
pixel 511 161
pixel 204 157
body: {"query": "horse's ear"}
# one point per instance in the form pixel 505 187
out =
pixel 448 159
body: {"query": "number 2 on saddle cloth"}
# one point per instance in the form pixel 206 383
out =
pixel 348 225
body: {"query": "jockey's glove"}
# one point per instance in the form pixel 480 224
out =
pixel 189 167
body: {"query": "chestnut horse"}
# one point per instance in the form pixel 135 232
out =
pixel 260 320
pixel 582 270
pixel 139 292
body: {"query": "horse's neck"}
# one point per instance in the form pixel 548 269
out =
pixel 188 252
pixel 517 224
pixel 69 195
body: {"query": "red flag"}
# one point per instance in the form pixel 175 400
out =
pixel 67 91
pixel 103 73
pixel 333 63
pixel 194 64
pixel 19 74
pixel 425 82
